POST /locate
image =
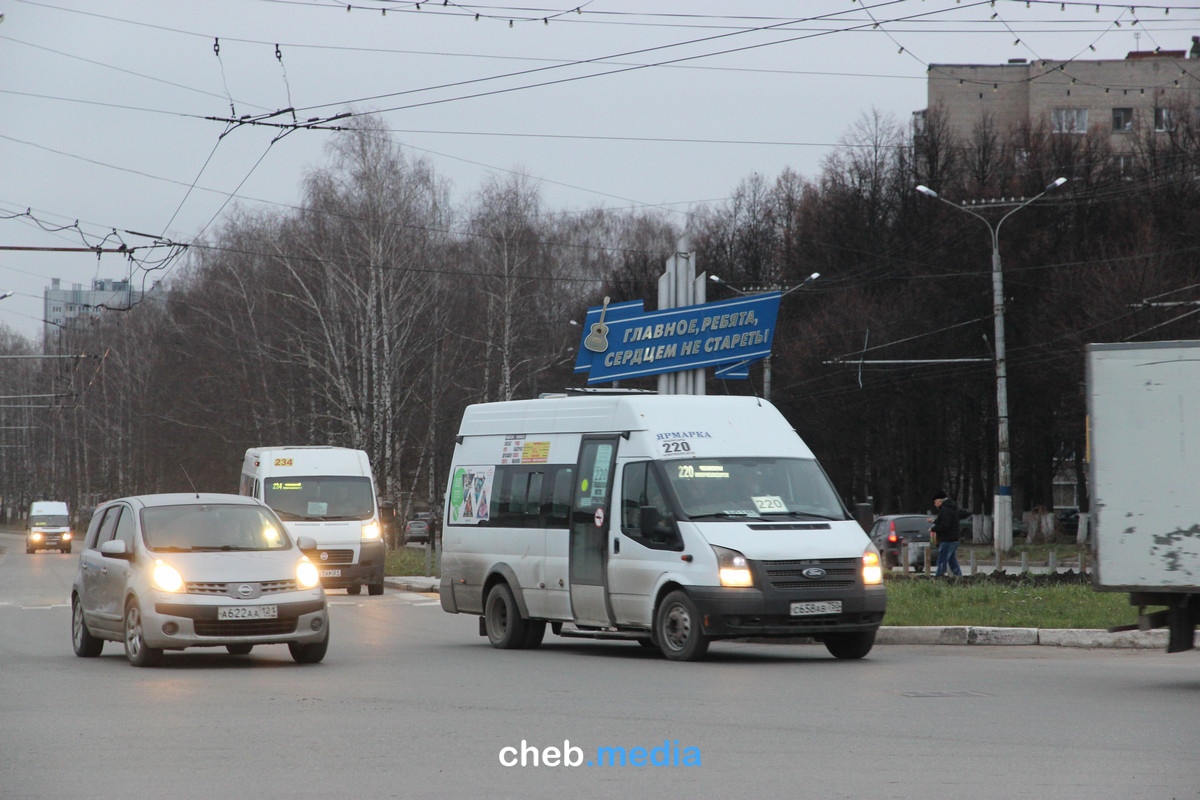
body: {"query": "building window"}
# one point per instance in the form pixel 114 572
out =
pixel 1164 119
pixel 1122 120
pixel 1069 120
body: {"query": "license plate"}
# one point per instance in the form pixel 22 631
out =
pixel 247 612
pixel 824 607
pixel 331 573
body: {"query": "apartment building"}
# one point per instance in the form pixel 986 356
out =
pixel 1143 91
pixel 65 307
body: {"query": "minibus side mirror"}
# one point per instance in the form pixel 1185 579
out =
pixel 654 527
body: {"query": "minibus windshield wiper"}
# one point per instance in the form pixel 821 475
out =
pixel 726 515
pixel 808 514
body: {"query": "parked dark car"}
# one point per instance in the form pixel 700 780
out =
pixel 892 532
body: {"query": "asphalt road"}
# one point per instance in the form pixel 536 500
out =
pixel 412 703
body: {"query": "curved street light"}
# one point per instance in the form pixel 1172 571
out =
pixel 782 292
pixel 1002 501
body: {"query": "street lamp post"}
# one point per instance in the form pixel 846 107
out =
pixel 767 359
pixel 1002 501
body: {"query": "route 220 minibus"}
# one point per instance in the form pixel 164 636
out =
pixel 670 520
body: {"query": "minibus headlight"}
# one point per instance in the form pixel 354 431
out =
pixel 36 536
pixel 872 568
pixel 306 574
pixel 733 568
pixel 67 536
pixel 370 531
pixel 166 577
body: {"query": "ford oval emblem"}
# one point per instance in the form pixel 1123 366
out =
pixel 324 556
pixel 814 573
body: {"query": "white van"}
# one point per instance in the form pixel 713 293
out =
pixel 327 493
pixel 49 527
pixel 672 520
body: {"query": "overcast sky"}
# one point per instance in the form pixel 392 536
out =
pixel 617 103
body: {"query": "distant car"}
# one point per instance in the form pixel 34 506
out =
pixel 892 532
pixel 171 571
pixel 416 531
pixel 1067 520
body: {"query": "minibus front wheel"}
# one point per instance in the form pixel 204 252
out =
pixel 678 628
pixel 506 628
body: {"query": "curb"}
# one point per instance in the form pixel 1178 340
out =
pixel 1045 637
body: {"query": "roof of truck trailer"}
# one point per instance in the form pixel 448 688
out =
pixel 620 413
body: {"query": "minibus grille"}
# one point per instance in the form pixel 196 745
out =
pixel 322 557
pixel 840 573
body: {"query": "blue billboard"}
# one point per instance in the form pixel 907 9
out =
pixel 621 341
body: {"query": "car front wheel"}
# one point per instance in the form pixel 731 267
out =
pixel 310 653
pixel 136 649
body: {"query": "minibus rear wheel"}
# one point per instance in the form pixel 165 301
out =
pixel 677 628
pixel 506 628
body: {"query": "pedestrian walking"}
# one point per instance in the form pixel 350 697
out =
pixel 945 528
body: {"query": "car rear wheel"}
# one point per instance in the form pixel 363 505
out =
pixel 136 650
pixel 678 629
pixel 310 653
pixel 375 588
pixel 850 645
pixel 86 645
pixel 506 628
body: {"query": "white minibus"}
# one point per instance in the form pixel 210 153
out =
pixel 328 494
pixel 671 520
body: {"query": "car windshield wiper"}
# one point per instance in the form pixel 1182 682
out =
pixel 211 548
pixel 170 549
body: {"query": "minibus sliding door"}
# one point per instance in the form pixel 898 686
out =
pixel 590 518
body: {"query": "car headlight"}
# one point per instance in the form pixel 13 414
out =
pixel 36 536
pixel 370 531
pixel 306 574
pixel 872 569
pixel 732 568
pixel 166 577
pixel 67 536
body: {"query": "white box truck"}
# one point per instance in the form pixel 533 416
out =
pixel 670 520
pixel 327 493
pixel 1144 437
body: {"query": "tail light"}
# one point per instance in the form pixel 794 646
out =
pixel 892 537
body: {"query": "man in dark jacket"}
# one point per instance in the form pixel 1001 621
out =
pixel 945 525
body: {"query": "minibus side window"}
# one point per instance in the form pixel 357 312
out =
pixel 558 508
pixel 640 490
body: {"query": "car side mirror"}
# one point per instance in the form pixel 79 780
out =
pixel 116 548
pixel 306 543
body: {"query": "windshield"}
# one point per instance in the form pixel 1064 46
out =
pixel 212 527
pixel 763 488
pixel 48 521
pixel 321 497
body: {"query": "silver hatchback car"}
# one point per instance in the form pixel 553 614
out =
pixel 171 571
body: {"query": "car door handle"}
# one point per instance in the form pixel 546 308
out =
pixel 616 546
